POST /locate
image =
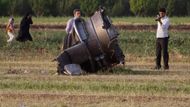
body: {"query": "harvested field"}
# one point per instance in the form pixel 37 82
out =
pixel 139 90
pixel 135 27
pixel 28 76
pixel 36 84
pixel 64 100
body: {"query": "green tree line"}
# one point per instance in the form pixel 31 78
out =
pixel 113 7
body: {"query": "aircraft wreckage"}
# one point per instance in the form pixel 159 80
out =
pixel 94 46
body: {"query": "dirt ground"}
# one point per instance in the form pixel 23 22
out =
pixel 92 100
pixel 140 72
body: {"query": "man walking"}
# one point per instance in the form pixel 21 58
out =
pixel 162 39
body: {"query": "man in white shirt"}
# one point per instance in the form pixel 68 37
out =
pixel 69 28
pixel 162 39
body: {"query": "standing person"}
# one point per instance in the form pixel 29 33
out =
pixel 69 28
pixel 24 33
pixel 162 39
pixel 10 30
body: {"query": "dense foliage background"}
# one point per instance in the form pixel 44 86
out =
pixel 114 7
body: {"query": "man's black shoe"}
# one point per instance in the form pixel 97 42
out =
pixel 157 67
pixel 166 67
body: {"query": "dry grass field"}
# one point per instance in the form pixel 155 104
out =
pixel 28 76
pixel 34 83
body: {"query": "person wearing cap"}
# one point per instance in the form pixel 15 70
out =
pixel 162 39
pixel 69 28
pixel 10 30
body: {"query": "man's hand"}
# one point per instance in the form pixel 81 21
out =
pixel 158 18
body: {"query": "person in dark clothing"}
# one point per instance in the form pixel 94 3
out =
pixel 24 34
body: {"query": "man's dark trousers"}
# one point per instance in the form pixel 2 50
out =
pixel 162 46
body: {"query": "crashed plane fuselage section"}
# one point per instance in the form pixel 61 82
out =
pixel 93 45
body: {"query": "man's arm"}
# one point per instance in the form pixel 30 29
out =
pixel 160 21
pixel 164 23
pixel 69 26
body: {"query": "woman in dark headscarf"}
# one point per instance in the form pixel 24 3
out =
pixel 24 33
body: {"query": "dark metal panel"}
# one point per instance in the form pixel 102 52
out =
pixel 78 53
pixel 101 33
pixel 93 43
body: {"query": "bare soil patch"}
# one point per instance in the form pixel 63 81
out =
pixel 89 99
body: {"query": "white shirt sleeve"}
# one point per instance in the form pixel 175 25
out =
pixel 165 23
pixel 162 30
pixel 69 26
